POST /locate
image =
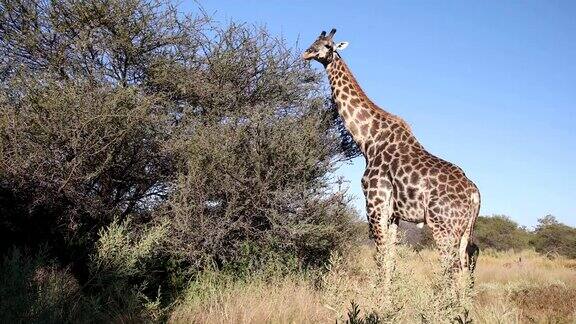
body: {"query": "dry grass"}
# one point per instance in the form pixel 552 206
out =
pixel 510 288
pixel 525 288
pixel 283 300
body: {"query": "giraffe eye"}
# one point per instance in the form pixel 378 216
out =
pixel 327 46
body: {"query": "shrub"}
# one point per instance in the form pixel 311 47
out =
pixel 252 163
pixel 354 316
pixel 34 289
pixel 500 233
pixel 551 236
pixel 121 271
pixel 80 137
pixel 409 295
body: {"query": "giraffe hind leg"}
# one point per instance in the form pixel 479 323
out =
pixel 473 251
pixel 448 248
pixel 468 251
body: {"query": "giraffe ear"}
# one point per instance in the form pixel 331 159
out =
pixel 341 45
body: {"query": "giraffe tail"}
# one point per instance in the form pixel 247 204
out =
pixel 469 251
pixel 472 250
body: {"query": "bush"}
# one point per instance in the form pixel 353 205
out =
pixel 34 289
pixel 553 237
pixel 256 171
pixel 500 233
pixel 80 137
pixel 122 271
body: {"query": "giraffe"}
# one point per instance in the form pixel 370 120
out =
pixel 402 181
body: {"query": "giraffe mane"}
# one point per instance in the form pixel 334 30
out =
pixel 393 117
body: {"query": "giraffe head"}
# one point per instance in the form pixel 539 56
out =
pixel 324 49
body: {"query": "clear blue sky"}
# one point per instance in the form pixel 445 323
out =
pixel 490 86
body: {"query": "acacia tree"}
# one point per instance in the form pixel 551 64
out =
pixel 82 139
pixel 254 154
pixel 127 109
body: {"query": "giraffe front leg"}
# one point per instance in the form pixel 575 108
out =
pixel 392 234
pixel 377 225
pixel 379 208
pixel 384 231
pixel 379 205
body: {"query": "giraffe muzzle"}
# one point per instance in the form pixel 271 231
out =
pixel 307 56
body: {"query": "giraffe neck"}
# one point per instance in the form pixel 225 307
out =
pixel 366 122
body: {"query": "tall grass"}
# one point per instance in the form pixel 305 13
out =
pixel 509 288
pixel 217 298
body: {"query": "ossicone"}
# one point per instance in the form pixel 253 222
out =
pixel 332 32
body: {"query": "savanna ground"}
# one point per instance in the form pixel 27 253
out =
pixel 510 287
